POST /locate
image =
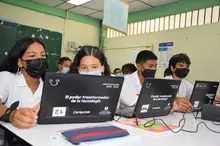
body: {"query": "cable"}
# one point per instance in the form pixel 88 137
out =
pixel 197 128
pixel 217 124
pixel 121 115
pixel 196 116
pixel 154 121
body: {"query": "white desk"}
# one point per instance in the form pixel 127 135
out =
pixel 46 135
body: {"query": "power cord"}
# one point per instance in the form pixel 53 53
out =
pixel 147 124
pixel 197 128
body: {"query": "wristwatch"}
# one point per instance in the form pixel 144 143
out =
pixel 6 116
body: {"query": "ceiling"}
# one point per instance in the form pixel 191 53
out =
pixel 94 8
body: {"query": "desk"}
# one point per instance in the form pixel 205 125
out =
pixel 46 135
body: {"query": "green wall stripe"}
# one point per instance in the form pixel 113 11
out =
pixel 170 9
pixel 53 11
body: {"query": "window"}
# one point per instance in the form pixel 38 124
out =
pixel 143 27
pixel 208 15
pixel 177 21
pixel 139 27
pixel 215 14
pixel 111 33
pixel 182 20
pixel 166 23
pixel 162 24
pixel 195 18
pixel 152 25
pixel 117 34
pixel 148 26
pixel 201 16
pixel 188 19
pixel 157 23
pixel 114 33
pixel 131 28
pixel 108 32
pixel 128 29
pixel 135 27
pixel 171 22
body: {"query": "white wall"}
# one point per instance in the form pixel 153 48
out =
pixel 201 43
pixel 80 33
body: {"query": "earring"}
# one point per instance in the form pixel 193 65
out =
pixel 19 70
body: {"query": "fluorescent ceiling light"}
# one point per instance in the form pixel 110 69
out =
pixel 78 2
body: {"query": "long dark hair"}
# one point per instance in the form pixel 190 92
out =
pixel 90 51
pixel 10 62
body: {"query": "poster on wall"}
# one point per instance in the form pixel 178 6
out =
pixel 165 53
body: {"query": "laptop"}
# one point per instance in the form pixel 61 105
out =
pixel 203 93
pixel 73 98
pixel 156 99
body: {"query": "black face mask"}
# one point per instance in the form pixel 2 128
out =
pixel 36 67
pixel 181 72
pixel 149 73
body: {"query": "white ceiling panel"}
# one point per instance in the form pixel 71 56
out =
pixel 158 2
pixel 82 10
pixel 65 6
pixel 48 2
pixel 137 6
pixel 98 15
pixel 95 4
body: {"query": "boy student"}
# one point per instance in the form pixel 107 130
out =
pixel 179 67
pixel 146 63
pixel 64 65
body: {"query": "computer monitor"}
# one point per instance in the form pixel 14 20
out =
pixel 73 98
pixel 203 93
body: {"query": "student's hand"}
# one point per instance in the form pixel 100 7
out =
pixel 217 98
pixel 23 118
pixel 182 105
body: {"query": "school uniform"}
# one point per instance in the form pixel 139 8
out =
pixel 185 89
pixel 130 90
pixel 13 87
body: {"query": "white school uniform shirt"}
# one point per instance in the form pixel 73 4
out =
pixel 185 89
pixel 13 87
pixel 131 87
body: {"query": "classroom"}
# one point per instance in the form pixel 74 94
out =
pixel 134 42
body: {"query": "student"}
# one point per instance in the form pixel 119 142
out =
pixel 128 69
pixel 179 66
pixel 167 72
pixel 21 80
pixel 117 72
pixel 90 61
pixel 64 65
pixel 146 63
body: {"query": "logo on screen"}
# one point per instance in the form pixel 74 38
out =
pixel 201 85
pixel 148 85
pixel 54 83
pixel 144 108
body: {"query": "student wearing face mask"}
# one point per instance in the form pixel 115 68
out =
pixel 117 72
pixel 146 63
pixel 21 80
pixel 179 67
pixel 90 61
pixel 64 65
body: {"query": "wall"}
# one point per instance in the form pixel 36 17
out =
pixel 201 43
pixel 78 32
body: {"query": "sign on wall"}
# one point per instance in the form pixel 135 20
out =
pixel 165 53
